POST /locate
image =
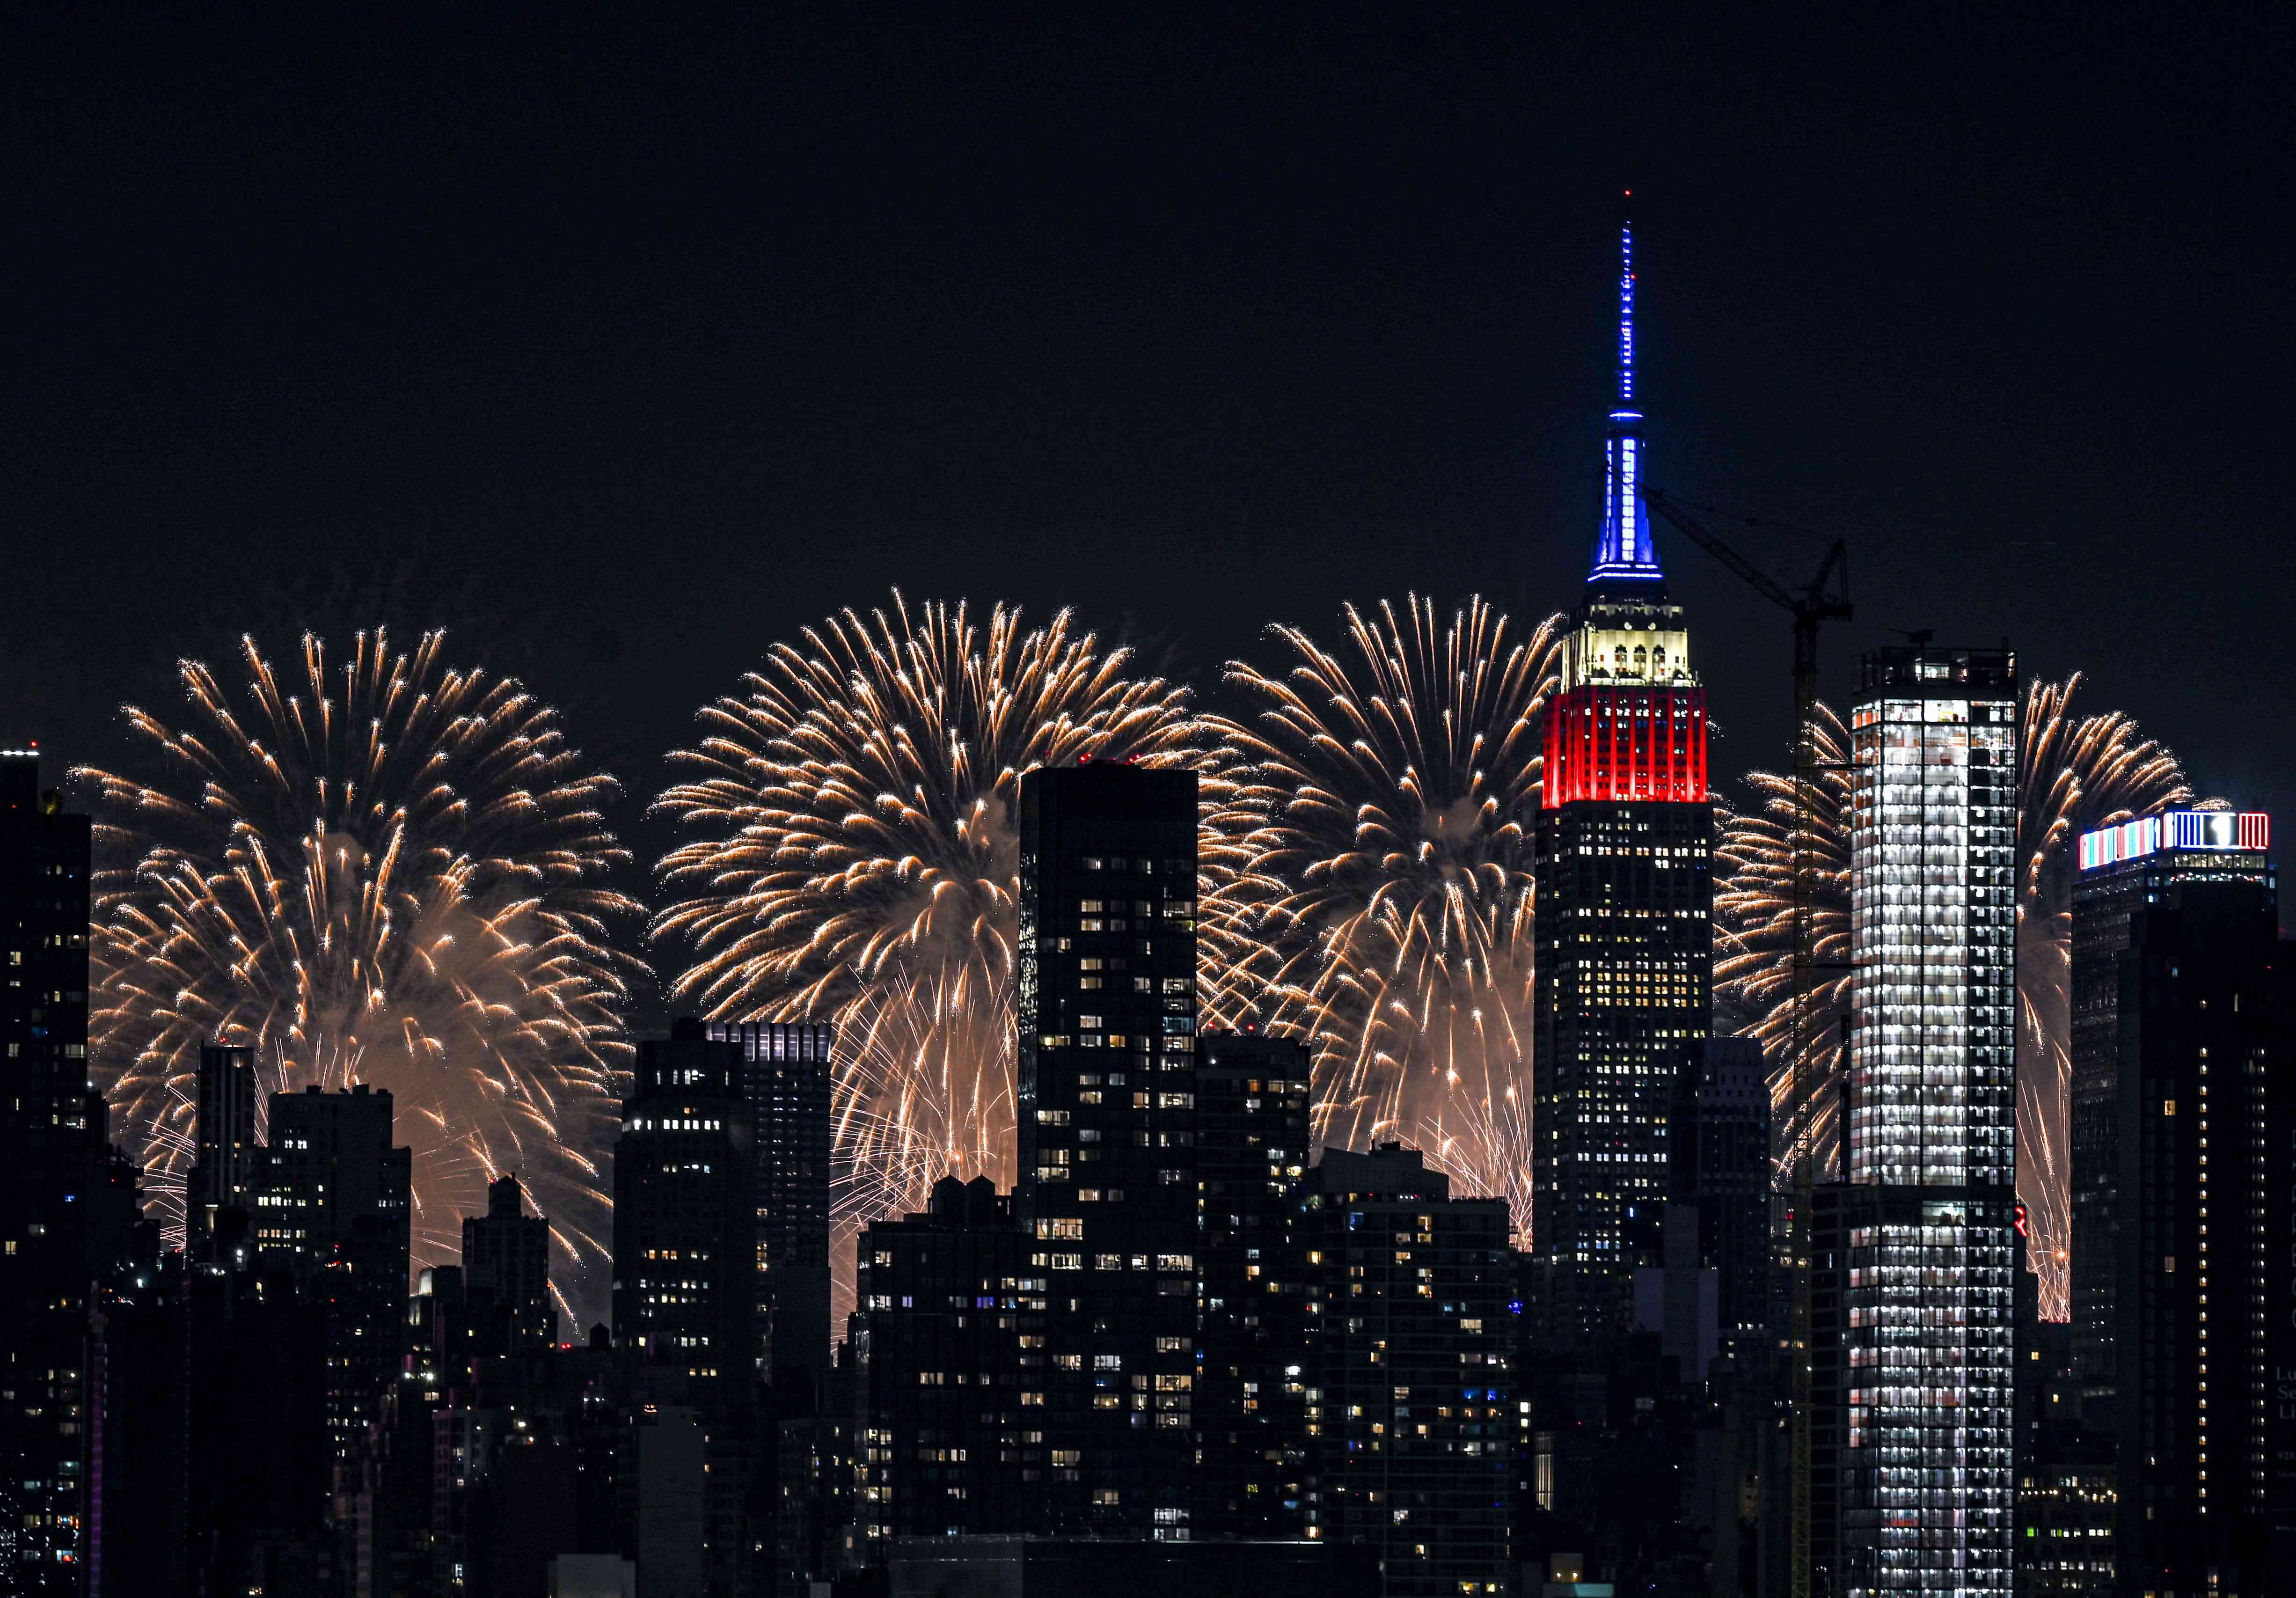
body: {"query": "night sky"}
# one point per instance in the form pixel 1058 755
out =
pixel 624 347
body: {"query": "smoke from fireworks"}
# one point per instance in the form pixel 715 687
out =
pixel 858 862
pixel 2078 773
pixel 1368 852
pixel 391 872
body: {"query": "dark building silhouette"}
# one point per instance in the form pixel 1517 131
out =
pixel 1252 1133
pixel 788 1077
pixel 1409 1397
pixel 1719 1150
pixel 226 1147
pixel 1624 944
pixel 506 1275
pixel 66 1204
pixel 2203 1076
pixel 685 1275
pixel 1915 1255
pixel 2122 871
pixel 1106 1104
pixel 333 1206
pixel 950 1316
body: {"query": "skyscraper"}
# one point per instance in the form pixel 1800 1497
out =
pixel 1252 1129
pixel 951 1314
pixel 506 1274
pixel 2123 871
pixel 685 1217
pixel 1721 1151
pixel 334 1205
pixel 1410 1403
pixel 1106 1103
pixel 1915 1255
pixel 1626 897
pixel 787 1072
pixel 52 1139
pixel 225 1151
pixel 2184 1017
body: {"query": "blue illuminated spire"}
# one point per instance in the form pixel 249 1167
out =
pixel 1625 551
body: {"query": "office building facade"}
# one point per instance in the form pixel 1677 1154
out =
pixel 1106 1104
pixel 1625 900
pixel 333 1207
pixel 787 1066
pixel 686 1274
pixel 1915 1255
pixel 1253 1106
pixel 2192 1034
pixel 1409 1395
pixel 2121 872
pixel 950 1321
pixel 51 1143
pixel 1719 1145
pixel 506 1274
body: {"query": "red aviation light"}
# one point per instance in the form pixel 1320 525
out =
pixel 1626 745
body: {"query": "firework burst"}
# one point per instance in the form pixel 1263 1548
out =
pixel 2078 773
pixel 856 861
pixel 391 872
pixel 1368 856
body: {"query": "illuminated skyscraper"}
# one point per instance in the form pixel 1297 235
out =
pixel 2124 871
pixel 1625 900
pixel 686 1219
pixel 1915 1256
pixel 1107 1102
pixel 2184 1096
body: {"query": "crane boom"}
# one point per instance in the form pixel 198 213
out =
pixel 1825 597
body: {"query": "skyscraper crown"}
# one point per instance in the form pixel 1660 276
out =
pixel 1624 554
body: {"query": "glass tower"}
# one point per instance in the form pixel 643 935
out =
pixel 1914 1255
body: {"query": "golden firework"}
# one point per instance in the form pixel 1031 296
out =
pixel 1368 860
pixel 393 871
pixel 2078 773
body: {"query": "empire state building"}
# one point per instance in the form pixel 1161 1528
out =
pixel 1625 901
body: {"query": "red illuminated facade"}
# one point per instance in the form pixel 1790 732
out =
pixel 1626 743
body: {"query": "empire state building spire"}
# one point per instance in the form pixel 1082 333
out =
pixel 1625 551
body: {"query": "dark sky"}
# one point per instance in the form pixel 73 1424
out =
pixel 628 345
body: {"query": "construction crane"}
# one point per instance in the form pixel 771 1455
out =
pixel 1824 598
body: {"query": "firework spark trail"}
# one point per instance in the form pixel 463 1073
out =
pixel 389 873
pixel 2078 773
pixel 857 861
pixel 1368 856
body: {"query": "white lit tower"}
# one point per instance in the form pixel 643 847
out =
pixel 1626 899
pixel 1914 1255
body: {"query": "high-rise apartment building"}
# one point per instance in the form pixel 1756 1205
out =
pixel 685 1216
pixel 1106 1101
pixel 1409 1399
pixel 51 1141
pixel 787 1070
pixel 2184 1018
pixel 333 1204
pixel 2121 872
pixel 1253 1132
pixel 1626 899
pixel 950 1313
pixel 506 1274
pixel 1915 1255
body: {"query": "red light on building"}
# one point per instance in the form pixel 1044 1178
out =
pixel 1626 745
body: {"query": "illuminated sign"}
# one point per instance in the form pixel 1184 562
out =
pixel 2248 830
